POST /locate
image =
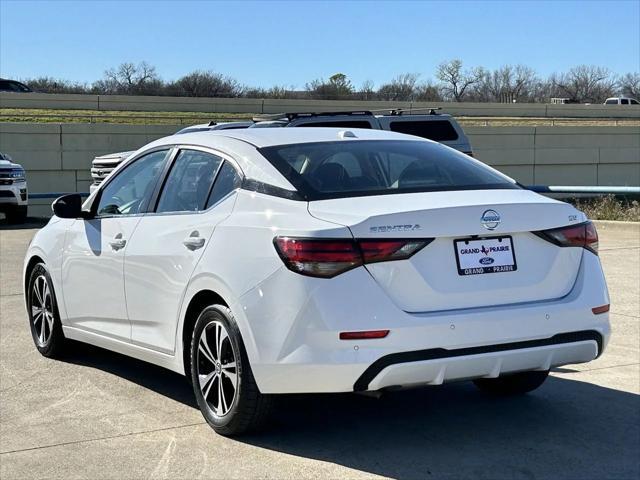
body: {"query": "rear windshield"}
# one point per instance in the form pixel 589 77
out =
pixel 374 167
pixel 438 130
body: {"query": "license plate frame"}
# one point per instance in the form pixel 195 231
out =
pixel 473 243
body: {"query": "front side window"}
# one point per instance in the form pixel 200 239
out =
pixel 624 101
pixel 634 102
pixel 373 167
pixel 189 182
pixel 130 191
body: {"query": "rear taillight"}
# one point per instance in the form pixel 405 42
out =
pixel 329 257
pixel 583 235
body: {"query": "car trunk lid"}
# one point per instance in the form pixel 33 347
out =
pixel 434 279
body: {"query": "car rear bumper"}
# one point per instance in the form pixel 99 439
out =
pixel 410 372
pixel 436 366
pixel 291 330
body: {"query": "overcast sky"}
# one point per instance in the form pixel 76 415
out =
pixel 289 43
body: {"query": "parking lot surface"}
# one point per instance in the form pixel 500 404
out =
pixel 98 414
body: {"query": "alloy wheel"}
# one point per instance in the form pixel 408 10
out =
pixel 217 368
pixel 42 310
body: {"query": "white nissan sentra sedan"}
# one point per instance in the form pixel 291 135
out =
pixel 268 261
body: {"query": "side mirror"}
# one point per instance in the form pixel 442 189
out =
pixel 68 206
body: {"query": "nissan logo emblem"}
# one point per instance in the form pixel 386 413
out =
pixel 490 219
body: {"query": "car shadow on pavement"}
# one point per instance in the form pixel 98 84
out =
pixel 566 429
pixel 155 378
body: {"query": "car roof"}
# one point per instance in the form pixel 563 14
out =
pixel 266 137
pixel 241 144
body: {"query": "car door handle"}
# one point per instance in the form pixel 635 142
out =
pixel 118 242
pixel 193 241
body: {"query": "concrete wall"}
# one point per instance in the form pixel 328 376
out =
pixel 561 155
pixel 58 157
pixel 248 105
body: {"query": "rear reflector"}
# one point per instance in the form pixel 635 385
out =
pixel 601 309
pixel 583 235
pixel 366 335
pixel 327 258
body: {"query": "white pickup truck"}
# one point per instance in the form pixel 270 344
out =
pixel 13 190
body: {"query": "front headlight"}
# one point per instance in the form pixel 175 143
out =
pixel 18 174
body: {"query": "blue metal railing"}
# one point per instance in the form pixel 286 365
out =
pixel 585 190
pixel 54 194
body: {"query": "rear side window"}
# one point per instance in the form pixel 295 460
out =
pixel 438 130
pixel 612 102
pixel 189 182
pixel 226 182
pixel 338 124
pixel 376 167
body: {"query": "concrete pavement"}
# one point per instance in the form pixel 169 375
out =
pixel 101 415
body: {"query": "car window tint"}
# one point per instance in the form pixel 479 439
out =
pixel 611 102
pixel 371 167
pixel 338 124
pixel 624 101
pixel 437 130
pixel 189 181
pixel 6 86
pixel 129 192
pixel 226 181
pixel 11 86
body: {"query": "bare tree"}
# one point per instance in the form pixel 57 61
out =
pixel 276 91
pixel 428 92
pixel 456 81
pixel 338 87
pixel 629 84
pixel 53 85
pixel 366 91
pixel 205 84
pixel 506 84
pixel 129 78
pixel 401 88
pixel 585 83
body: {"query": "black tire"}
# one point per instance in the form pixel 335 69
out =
pixel 513 384
pixel 17 215
pixel 249 409
pixel 51 342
